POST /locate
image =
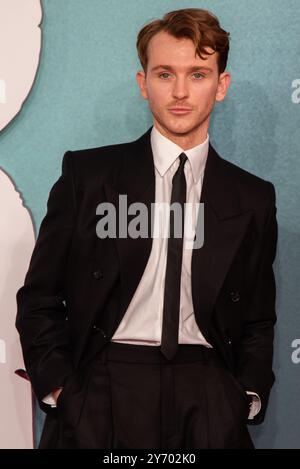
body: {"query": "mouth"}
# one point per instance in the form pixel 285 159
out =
pixel 180 110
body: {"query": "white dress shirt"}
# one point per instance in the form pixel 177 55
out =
pixel 142 321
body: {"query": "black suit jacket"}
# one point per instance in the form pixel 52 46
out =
pixel 78 286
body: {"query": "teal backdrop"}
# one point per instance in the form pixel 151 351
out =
pixel 85 95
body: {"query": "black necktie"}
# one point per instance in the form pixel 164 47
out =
pixel 169 339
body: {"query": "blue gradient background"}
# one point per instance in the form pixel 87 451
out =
pixel 85 95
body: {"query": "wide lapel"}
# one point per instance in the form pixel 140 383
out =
pixel 137 182
pixel 225 223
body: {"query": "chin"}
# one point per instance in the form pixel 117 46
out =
pixel 179 129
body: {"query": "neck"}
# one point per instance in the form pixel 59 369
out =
pixel 185 140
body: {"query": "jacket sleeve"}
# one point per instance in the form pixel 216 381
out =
pixel 255 355
pixel 41 308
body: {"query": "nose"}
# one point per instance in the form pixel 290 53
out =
pixel 180 89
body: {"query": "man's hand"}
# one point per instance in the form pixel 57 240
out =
pixel 51 398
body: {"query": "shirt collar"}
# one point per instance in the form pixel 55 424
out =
pixel 165 152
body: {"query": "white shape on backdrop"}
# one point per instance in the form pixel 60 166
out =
pixel 20 46
pixel 16 244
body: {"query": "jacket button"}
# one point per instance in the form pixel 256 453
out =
pixel 235 296
pixel 98 274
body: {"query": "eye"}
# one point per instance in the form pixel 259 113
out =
pixel 164 75
pixel 198 75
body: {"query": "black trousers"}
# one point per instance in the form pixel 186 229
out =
pixel 131 396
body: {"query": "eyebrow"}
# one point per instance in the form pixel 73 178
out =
pixel 190 69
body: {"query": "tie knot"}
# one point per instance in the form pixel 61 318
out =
pixel 182 158
pixel 182 161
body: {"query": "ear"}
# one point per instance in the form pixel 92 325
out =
pixel 141 81
pixel 223 85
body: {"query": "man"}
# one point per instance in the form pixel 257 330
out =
pixel 140 341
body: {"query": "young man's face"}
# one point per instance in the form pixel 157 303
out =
pixel 181 88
